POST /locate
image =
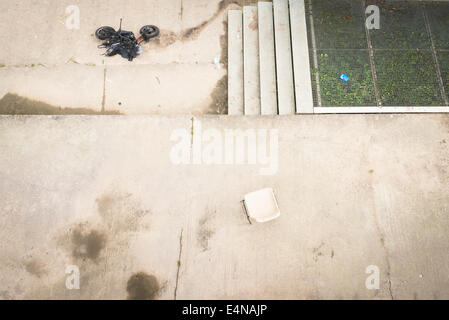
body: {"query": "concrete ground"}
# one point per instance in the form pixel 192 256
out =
pixel 108 195
pixel 104 194
pixel 41 59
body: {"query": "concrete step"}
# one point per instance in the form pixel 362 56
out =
pixel 286 95
pixel 276 68
pixel 268 90
pixel 235 62
pixel 66 86
pixel 301 62
pixel 251 71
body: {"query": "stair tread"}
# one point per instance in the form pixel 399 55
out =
pixel 235 62
pixel 284 67
pixel 301 62
pixel 251 76
pixel 268 90
pixel 268 67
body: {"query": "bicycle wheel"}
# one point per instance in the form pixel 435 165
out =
pixel 149 31
pixel 104 33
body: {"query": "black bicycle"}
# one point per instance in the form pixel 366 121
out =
pixel 124 42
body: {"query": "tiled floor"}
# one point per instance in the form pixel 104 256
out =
pixel 409 51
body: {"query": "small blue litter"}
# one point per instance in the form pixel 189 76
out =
pixel 344 77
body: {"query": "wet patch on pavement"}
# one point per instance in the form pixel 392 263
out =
pixel 87 244
pixel 13 104
pixel 219 96
pixel 35 268
pixel 142 286
pixel 205 230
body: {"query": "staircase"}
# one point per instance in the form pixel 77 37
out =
pixel 268 60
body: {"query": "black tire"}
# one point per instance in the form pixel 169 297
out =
pixel 149 31
pixel 104 33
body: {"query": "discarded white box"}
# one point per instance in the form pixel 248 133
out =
pixel 262 205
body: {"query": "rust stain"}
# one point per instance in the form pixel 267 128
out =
pixel 254 23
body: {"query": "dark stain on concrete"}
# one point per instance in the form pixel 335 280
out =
pixel 35 268
pixel 317 252
pixel 165 39
pixel 142 286
pixel 203 238
pixel 205 231
pixel 105 205
pixel 219 96
pixel 193 33
pixel 121 214
pixel 224 45
pixel 100 246
pixel 225 3
pixel 87 244
pixel 12 104
pixel 445 122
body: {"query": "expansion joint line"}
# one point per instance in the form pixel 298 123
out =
pixel 434 54
pixel 315 56
pixel 371 59
pixel 179 264
pixel 103 101
pixel 192 132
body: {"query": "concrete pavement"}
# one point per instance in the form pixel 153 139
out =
pixel 149 206
pixel 36 41
pixel 104 194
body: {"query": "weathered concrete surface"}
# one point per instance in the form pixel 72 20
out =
pixel 235 62
pixel 268 88
pixel 150 84
pixel 251 65
pixel 103 194
pixel 284 64
pixel 300 54
pixel 69 85
pixel 193 37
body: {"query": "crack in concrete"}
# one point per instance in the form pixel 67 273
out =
pixel 192 133
pixel 181 14
pixel 103 101
pixel 386 252
pixel 31 65
pixel 89 64
pixel 387 258
pixel 375 217
pixel 389 288
pixel 179 264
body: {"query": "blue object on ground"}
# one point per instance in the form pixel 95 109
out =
pixel 344 77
